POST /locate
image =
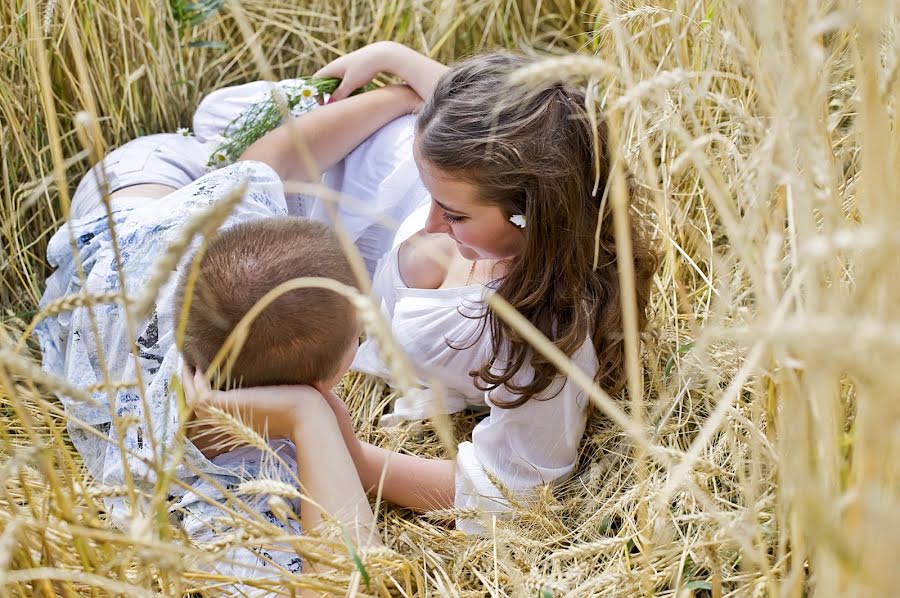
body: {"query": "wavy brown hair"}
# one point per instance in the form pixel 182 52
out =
pixel 531 151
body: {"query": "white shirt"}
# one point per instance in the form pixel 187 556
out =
pixel 534 444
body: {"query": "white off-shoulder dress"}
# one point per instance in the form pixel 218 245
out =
pixel 523 447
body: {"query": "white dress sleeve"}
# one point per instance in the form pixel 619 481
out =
pixel 382 183
pixel 521 448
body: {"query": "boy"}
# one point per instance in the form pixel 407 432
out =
pixel 303 337
pixel 128 437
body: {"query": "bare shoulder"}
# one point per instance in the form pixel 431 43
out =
pixel 423 259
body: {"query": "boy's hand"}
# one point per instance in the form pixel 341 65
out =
pixel 271 411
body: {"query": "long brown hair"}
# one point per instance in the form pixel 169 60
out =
pixel 532 152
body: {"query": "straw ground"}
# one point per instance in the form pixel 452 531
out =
pixel 756 451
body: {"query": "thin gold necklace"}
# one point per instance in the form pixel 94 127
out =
pixel 471 275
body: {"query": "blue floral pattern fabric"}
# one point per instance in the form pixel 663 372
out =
pixel 122 431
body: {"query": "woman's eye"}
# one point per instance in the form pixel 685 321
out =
pixel 452 219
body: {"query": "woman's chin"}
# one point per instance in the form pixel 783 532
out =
pixel 467 252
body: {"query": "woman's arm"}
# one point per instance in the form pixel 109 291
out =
pixel 360 67
pixel 302 148
pixel 412 482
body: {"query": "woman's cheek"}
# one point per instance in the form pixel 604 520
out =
pixel 474 240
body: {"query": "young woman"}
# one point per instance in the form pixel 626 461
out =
pixel 516 194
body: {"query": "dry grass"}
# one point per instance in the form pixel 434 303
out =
pixel 765 461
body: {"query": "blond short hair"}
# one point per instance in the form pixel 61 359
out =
pixel 301 337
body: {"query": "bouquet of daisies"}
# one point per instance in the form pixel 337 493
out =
pixel 288 99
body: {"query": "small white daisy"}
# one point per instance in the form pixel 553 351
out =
pixel 217 157
pixel 308 92
pixel 183 131
pixel 518 220
pixel 84 118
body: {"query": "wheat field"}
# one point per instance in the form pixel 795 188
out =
pixel 756 451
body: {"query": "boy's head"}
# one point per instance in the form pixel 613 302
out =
pixel 305 336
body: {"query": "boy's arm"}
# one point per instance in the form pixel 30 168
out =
pixel 326 469
pixel 360 67
pixel 302 148
pixel 328 476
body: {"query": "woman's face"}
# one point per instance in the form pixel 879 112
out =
pixel 481 230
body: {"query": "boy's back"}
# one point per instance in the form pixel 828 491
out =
pixel 89 346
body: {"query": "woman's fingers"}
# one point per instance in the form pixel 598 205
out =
pixel 354 70
pixel 349 82
pixel 337 69
pixel 332 69
pixel 343 90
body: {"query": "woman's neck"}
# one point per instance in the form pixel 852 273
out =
pixel 462 272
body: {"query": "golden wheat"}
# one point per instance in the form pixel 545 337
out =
pixel 756 452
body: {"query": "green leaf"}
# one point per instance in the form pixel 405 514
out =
pixel 698 584
pixel 260 118
pixel 711 13
pixel 357 560
pixel 25 315
pixel 545 593
pixel 670 362
pixel 215 45
pixel 191 14
pixel 605 525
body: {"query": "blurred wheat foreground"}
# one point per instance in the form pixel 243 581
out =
pixel 762 453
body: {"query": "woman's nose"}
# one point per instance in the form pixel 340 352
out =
pixel 435 222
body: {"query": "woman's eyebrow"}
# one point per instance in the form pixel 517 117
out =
pixel 449 209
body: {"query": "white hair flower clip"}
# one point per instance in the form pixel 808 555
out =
pixel 518 220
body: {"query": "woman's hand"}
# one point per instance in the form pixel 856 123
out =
pixel 360 67
pixel 271 411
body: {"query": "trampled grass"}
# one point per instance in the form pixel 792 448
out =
pixel 761 453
